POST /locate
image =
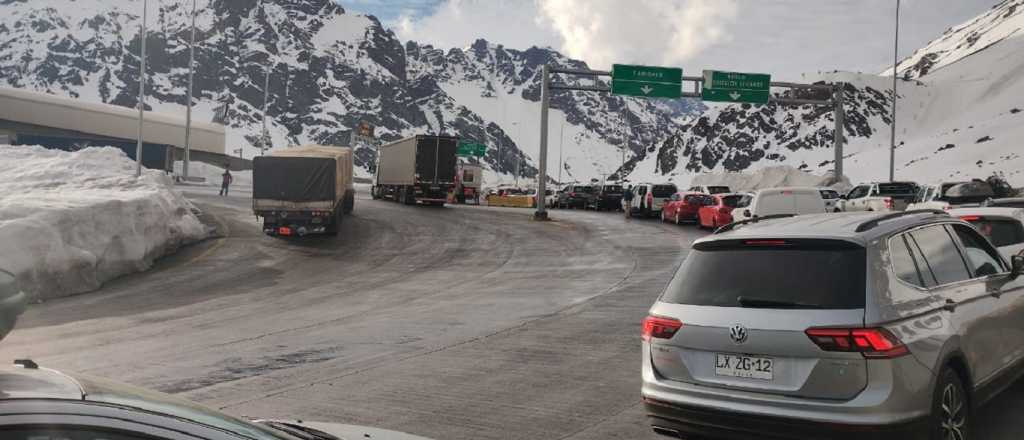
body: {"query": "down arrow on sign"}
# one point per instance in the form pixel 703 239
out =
pixel 735 95
pixel 646 89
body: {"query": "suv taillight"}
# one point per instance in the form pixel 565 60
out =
pixel 872 343
pixel 660 328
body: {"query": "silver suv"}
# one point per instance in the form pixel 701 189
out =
pixel 859 325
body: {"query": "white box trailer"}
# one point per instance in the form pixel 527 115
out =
pixel 416 169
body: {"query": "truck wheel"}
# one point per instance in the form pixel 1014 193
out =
pixel 349 202
pixel 407 196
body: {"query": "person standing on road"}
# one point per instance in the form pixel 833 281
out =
pixel 627 201
pixel 225 182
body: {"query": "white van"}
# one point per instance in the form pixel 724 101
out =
pixel 788 200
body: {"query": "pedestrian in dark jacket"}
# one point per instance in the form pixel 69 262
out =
pixel 627 201
pixel 225 182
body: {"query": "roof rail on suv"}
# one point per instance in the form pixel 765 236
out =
pixel 755 219
pixel 875 221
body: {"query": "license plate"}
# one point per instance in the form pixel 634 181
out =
pixel 736 365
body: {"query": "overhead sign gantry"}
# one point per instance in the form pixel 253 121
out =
pixel 667 82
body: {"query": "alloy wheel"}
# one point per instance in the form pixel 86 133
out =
pixel 954 416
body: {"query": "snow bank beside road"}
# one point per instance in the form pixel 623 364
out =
pixel 768 177
pixel 70 221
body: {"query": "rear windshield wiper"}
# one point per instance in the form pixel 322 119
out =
pixel 746 301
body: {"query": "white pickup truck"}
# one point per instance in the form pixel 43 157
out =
pixel 948 195
pixel 888 196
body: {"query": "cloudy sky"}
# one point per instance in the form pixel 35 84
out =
pixel 782 37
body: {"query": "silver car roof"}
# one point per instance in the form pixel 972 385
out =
pixel 840 226
pixel 38 383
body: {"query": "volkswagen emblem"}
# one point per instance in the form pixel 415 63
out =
pixel 738 334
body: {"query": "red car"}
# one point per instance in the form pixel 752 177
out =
pixel 683 206
pixel 719 211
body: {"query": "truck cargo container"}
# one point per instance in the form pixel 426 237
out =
pixel 416 169
pixel 303 190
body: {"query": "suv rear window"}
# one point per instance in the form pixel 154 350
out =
pixel 718 189
pixel 815 274
pixel 613 188
pixel 731 201
pixel 897 189
pixel 829 194
pixel 1001 232
pixel 665 191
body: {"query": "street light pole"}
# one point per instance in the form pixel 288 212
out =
pixel 561 140
pixel 895 60
pixel 142 90
pixel 266 95
pixel 188 110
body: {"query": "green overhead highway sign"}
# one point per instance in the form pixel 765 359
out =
pixel 471 149
pixel 647 81
pixel 736 87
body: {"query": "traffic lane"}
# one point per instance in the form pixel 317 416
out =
pixel 425 279
pixel 572 373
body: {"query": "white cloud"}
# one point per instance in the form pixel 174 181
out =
pixel 604 32
pixel 782 37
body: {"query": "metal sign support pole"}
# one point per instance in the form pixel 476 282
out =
pixel 542 175
pixel 840 134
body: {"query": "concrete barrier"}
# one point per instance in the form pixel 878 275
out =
pixel 511 201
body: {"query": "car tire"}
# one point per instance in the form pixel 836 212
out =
pixel 950 407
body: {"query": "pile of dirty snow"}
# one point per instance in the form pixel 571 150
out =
pixel 70 221
pixel 769 177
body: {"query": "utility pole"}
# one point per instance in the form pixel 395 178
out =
pixel 542 174
pixel 839 133
pixel 188 110
pixel 142 90
pixel 561 140
pixel 266 94
pixel 895 60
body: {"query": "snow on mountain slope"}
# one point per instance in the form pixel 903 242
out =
pixel 328 71
pixel 958 118
pixel 1004 20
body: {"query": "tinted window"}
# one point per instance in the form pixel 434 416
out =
pixel 663 190
pixel 718 189
pixel 613 188
pixel 858 192
pixel 586 189
pixel 67 433
pixel 1008 203
pixel 731 201
pixel 693 199
pixel 999 232
pixel 941 257
pixel 814 273
pixel 982 258
pixel 829 195
pixel 903 261
pixel 744 201
pixel 896 189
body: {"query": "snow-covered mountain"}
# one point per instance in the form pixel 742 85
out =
pixel 959 115
pixel 328 70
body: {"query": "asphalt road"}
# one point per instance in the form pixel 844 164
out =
pixel 451 323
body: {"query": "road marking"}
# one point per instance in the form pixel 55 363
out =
pixel 206 253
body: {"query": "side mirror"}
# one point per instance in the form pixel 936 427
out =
pixel 746 213
pixel 1016 265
